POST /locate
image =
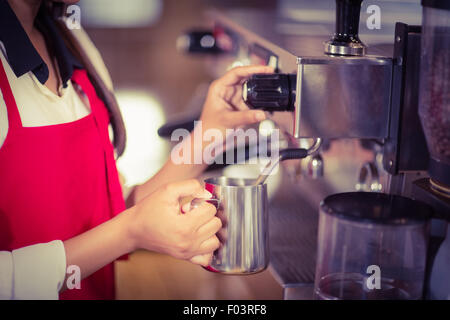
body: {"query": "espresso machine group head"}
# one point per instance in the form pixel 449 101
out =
pixel 346 92
pixel 341 93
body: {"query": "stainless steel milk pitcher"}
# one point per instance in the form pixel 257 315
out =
pixel 244 237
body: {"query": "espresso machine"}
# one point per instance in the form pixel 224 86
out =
pixel 381 114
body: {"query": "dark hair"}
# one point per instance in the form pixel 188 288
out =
pixel 57 11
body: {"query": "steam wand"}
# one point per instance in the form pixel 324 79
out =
pixel 287 154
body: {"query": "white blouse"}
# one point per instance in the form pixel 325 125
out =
pixel 37 104
pixel 33 272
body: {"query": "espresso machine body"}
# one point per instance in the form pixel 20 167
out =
pixel 333 98
pixel 362 102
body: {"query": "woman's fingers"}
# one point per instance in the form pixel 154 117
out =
pixel 177 190
pixel 237 101
pixel 203 259
pixel 201 215
pixel 209 229
pixel 236 75
pixel 209 246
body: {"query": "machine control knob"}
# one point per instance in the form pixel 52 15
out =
pixel 270 92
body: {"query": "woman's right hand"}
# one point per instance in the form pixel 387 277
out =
pixel 157 224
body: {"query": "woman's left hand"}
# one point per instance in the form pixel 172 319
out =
pixel 224 107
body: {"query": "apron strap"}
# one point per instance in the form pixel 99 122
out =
pixel 81 78
pixel 101 119
pixel 14 121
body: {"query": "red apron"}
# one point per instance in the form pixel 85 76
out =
pixel 58 181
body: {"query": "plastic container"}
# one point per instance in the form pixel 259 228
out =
pixel 434 94
pixel 371 246
pixel 440 280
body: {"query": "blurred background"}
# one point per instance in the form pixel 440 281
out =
pixel 155 82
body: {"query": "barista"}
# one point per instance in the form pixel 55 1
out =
pixel 62 202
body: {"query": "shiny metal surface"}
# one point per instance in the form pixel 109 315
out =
pixel 243 209
pixel 347 49
pixel 293 235
pixel 275 161
pixel 342 97
pixel 315 166
pixel 369 178
pixel 315 147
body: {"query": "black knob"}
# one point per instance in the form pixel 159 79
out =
pixel 346 40
pixel 270 92
pixel 347 18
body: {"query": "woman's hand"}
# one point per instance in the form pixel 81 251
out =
pixel 157 223
pixel 224 107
